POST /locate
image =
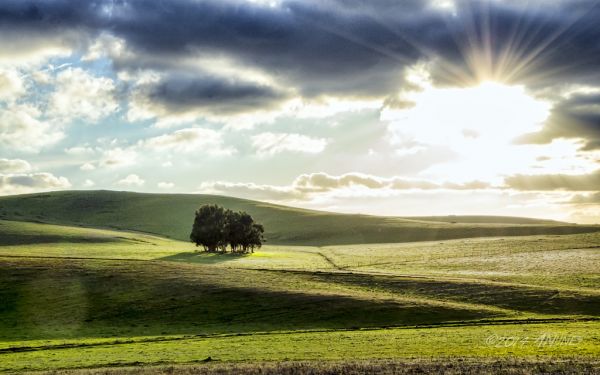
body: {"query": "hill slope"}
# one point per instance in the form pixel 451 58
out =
pixel 171 215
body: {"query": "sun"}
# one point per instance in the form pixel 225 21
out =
pixel 490 112
pixel 479 124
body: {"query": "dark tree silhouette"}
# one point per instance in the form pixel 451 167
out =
pixel 215 228
pixel 255 237
pixel 209 228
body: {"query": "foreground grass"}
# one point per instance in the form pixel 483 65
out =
pixel 87 298
pixel 547 342
pixel 94 313
pixel 398 367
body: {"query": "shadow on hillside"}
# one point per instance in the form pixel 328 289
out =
pixel 46 299
pixel 203 258
pixel 34 239
pixel 519 298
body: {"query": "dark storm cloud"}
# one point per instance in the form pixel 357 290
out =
pixel 576 117
pixel 310 46
pixel 27 26
pixel 317 39
pixel 45 15
pixel 585 182
pixel 341 47
pixel 181 93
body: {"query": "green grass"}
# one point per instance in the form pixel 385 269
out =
pixel 563 262
pixel 79 297
pixel 34 239
pixel 102 298
pixel 171 215
pixel 47 240
pixel 447 342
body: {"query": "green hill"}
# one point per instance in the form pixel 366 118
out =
pixel 171 215
pixel 86 298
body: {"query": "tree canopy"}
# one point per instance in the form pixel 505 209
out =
pixel 216 228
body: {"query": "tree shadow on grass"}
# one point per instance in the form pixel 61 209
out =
pixel 44 299
pixel 203 258
pixel 515 297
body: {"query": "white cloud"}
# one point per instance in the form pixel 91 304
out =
pixel 88 183
pixel 360 193
pixel 131 180
pixel 29 183
pixel 118 157
pixel 327 107
pixel 80 95
pixel 445 5
pixel 165 185
pixel 21 129
pixel 14 166
pixel 252 191
pixel 87 167
pixel 318 182
pixel 31 49
pixel 80 151
pixel 199 140
pixel 105 45
pixel 267 144
pixel 11 85
pixel 140 107
pixel 41 77
pixel 308 186
pixel 190 140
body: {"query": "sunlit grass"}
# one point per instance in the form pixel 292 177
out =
pixel 450 342
pixel 123 297
pixel 567 261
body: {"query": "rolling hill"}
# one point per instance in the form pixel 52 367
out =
pixel 171 215
pixel 86 298
pixel 95 301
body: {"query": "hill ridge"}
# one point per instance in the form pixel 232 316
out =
pixel 171 215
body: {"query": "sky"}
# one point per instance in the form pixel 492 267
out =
pixel 404 108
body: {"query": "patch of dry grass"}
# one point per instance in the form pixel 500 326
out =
pixel 447 367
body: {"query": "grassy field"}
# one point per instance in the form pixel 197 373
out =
pixel 171 215
pixel 559 261
pixel 456 342
pixel 79 298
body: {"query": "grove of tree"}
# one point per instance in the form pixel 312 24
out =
pixel 216 228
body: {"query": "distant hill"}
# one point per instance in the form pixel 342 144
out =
pixel 171 215
pixel 469 219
